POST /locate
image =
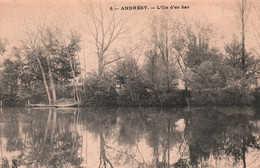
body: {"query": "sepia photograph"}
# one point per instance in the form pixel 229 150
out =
pixel 129 84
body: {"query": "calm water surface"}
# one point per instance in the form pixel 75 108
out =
pixel 130 137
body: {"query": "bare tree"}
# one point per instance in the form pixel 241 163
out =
pixel 105 27
pixel 243 9
pixel 250 65
pixel 255 25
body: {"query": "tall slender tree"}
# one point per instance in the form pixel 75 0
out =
pixel 243 9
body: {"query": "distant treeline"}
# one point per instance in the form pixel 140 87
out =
pixel 96 96
pixel 180 67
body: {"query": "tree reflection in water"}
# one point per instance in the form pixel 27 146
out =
pixel 41 142
pixel 215 134
pixel 129 137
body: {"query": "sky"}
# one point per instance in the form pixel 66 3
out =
pixel 18 16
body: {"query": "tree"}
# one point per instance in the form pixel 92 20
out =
pixel 69 53
pixel 160 44
pixel 152 67
pixel 105 28
pixel 233 53
pixel 34 53
pixel 2 51
pixel 247 71
pixel 53 56
pixel 130 77
pixel 10 77
pixel 191 47
pixel 163 46
pixel 198 35
pixel 243 9
pixel 100 91
pixel 179 45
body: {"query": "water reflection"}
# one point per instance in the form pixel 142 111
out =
pixel 130 137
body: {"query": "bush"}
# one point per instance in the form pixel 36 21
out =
pixel 174 98
pixel 99 90
pixel 9 99
pixel 222 97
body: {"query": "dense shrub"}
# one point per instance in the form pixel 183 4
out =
pixel 22 100
pixel 223 97
pixel 98 96
pixel 174 98
pixel 98 90
pixel 9 100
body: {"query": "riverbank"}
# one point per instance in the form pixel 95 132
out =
pixel 174 98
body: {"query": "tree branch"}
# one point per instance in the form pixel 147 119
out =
pixel 131 51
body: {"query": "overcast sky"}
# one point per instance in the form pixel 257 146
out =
pixel 18 15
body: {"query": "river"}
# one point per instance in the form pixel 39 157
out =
pixel 214 137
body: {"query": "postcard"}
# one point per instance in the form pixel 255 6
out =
pixel 130 83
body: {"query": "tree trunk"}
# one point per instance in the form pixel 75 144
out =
pixel 44 81
pixel 168 81
pixel 167 63
pixel 100 64
pixel 242 12
pixel 243 45
pixel 75 88
pixel 132 95
pixel 51 81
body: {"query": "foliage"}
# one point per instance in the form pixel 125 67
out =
pixel 9 77
pixel 160 66
pixel 99 91
pixel 180 64
pixel 249 72
pixel 222 97
pixel 61 51
pixel 130 78
pixel 48 53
